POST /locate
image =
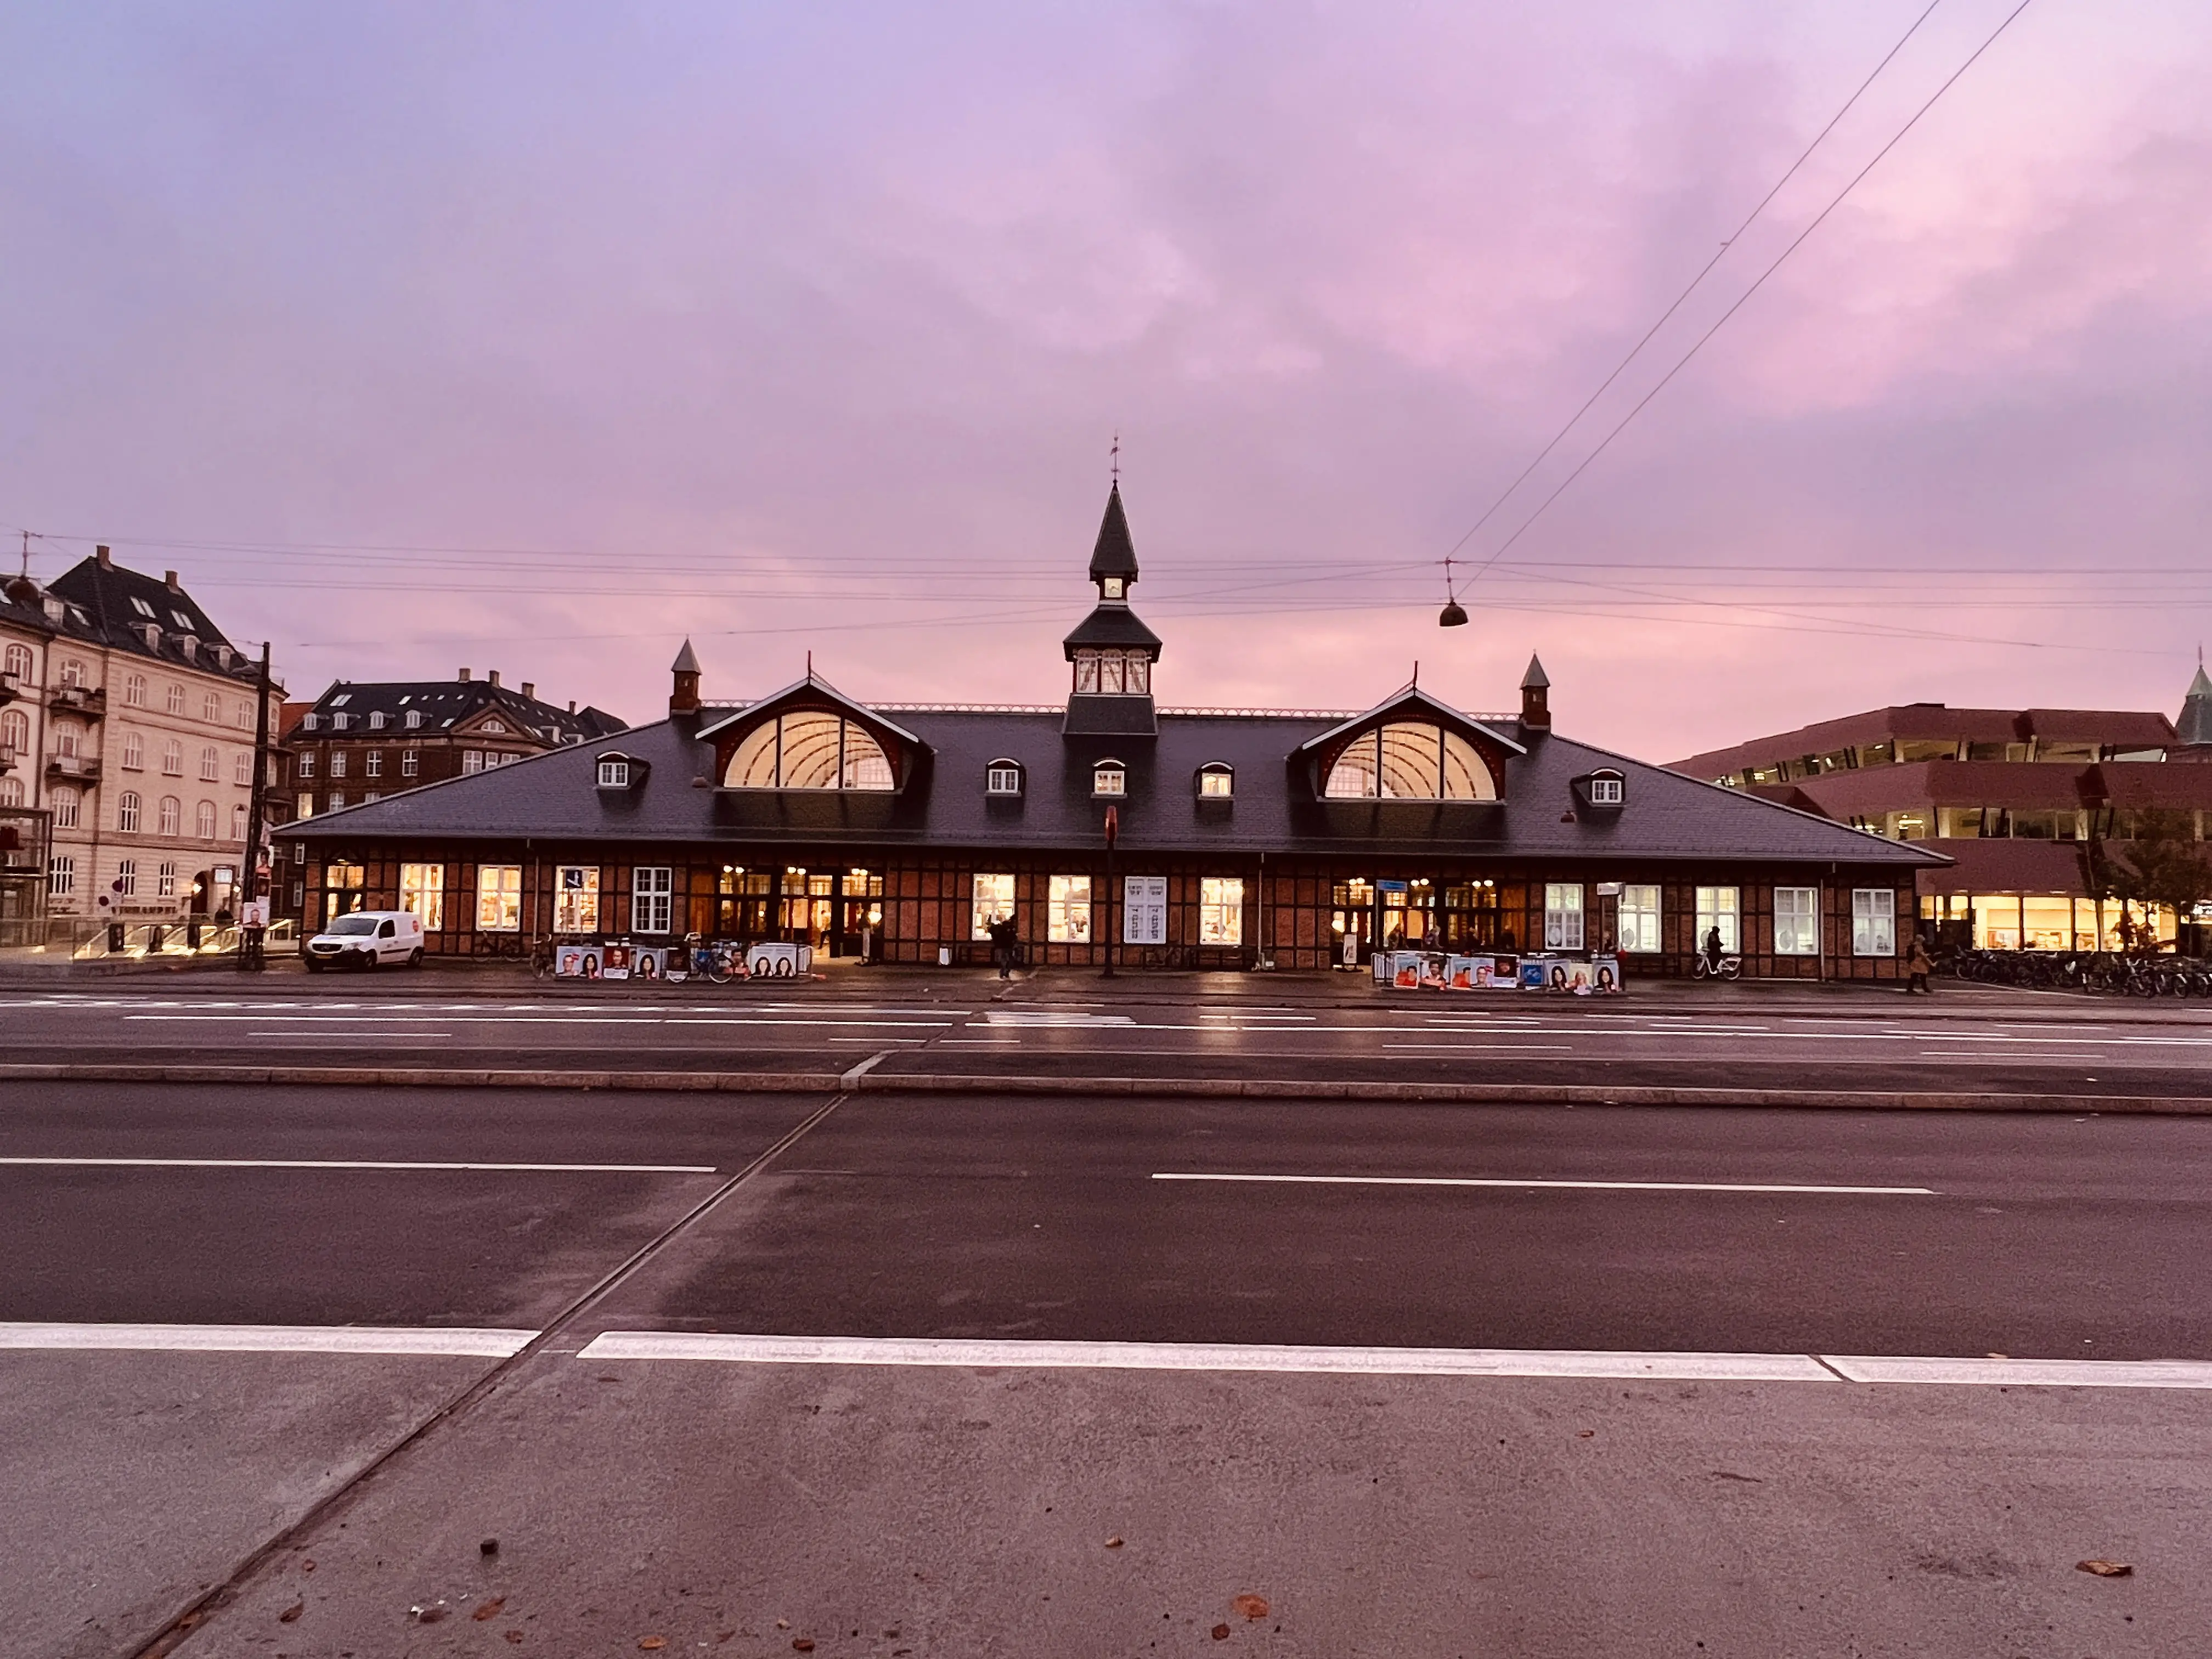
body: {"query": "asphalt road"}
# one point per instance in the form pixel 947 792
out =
pixel 1226 1026
pixel 968 1507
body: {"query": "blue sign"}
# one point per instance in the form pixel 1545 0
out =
pixel 1389 887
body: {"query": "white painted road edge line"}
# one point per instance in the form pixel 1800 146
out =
pixel 1590 1186
pixel 269 1339
pixel 1201 1357
pixel 347 1163
pixel 1398 1362
pixel 852 1078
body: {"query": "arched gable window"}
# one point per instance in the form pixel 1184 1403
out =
pixel 1109 777
pixel 1003 777
pixel 1216 781
pixel 808 750
pixel 1408 760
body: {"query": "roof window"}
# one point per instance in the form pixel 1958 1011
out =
pixel 614 772
pixel 1409 761
pixel 808 749
pixel 1003 777
pixel 342 699
pixel 1109 777
pixel 142 607
pixel 1216 781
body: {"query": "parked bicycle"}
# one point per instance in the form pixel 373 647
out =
pixel 1723 968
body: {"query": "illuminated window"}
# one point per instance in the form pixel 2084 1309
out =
pixel 992 901
pixel 576 898
pixel 422 890
pixel 808 750
pixel 499 898
pixel 1718 908
pixel 1639 918
pixel 1221 910
pixel 1069 919
pixel 1217 780
pixel 1110 778
pixel 1408 761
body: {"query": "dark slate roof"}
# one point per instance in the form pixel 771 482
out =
pixel 2195 724
pixel 446 703
pixel 552 798
pixel 1112 625
pixel 111 606
pixel 1114 554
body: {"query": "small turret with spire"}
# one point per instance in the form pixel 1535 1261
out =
pixel 683 683
pixel 1112 654
pixel 2193 728
pixel 1536 698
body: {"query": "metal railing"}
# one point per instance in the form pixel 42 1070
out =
pixel 117 941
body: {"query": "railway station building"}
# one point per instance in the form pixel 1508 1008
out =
pixel 1186 837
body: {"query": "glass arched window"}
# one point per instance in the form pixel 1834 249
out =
pixel 1409 760
pixel 126 812
pixel 19 661
pixel 171 816
pixel 1216 778
pixel 14 731
pixel 203 820
pixel 808 750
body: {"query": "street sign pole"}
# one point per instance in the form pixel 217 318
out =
pixel 1113 829
pixel 250 956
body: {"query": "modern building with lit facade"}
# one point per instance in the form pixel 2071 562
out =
pixel 2010 796
pixel 1238 838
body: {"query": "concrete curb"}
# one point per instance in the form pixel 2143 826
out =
pixel 1516 1094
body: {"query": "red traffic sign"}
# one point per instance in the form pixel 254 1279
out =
pixel 1113 823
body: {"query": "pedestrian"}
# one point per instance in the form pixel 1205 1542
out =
pixel 1918 966
pixel 1004 936
pixel 1713 950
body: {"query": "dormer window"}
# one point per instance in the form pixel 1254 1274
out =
pixel 614 772
pixel 809 749
pixel 1607 789
pixel 1409 761
pixel 494 728
pixel 308 722
pixel 1003 777
pixel 1109 777
pixel 1216 781
pixel 340 721
pixel 376 719
pixel 414 719
pixel 1114 673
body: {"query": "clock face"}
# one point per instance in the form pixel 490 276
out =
pixel 1113 587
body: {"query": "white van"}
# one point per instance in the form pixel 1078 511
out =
pixel 366 939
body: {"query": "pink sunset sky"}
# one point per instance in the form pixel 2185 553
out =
pixel 537 337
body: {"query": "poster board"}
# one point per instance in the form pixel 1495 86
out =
pixel 779 960
pixel 1534 973
pixel 579 962
pixel 616 964
pixel 1144 909
pixel 1605 976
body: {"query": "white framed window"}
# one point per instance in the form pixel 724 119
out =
pixel 414 719
pixel 173 698
pixel 410 763
pixel 1719 907
pixel 126 877
pixel 134 752
pixel 1144 909
pixel 1873 921
pixel 73 673
pixel 1639 918
pixel 126 812
pixel 337 800
pixel 370 796
pixel 310 720
pixel 67 804
pixel 1563 915
pixel 1068 919
pixel 1216 781
pixel 14 731
pixel 992 899
pixel 243 719
pixel 652 890
pixel 499 898
pixel 170 818
pixel 134 691
pixel 341 722
pixel 11 792
pixel 17 662
pixel 173 759
pixel 305 766
pixel 203 820
pixel 210 765
pixel 241 768
pixel 422 890
pixel 165 879
pixel 338 762
pixel 61 875
pixel 576 898
pixel 614 774
pixel 494 728
pixel 1221 910
pixel 372 763
pixel 376 719
pixel 304 807
pixel 238 820
pixel 1002 777
pixel 471 761
pixel 1606 790
pixel 211 708
pixel 1797 921
pixel 69 739
pixel 1110 778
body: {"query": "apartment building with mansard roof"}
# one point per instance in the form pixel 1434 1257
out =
pixel 126 746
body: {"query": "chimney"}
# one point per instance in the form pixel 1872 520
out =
pixel 1536 698
pixel 572 705
pixel 464 677
pixel 169 581
pixel 492 676
pixel 106 560
pixel 530 689
pixel 683 685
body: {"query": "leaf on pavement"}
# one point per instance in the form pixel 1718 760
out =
pixel 1220 1632
pixel 1251 1607
pixel 649 1643
pixel 489 1609
pixel 802 1644
pixel 291 1614
pixel 1114 1543
pixel 2106 1568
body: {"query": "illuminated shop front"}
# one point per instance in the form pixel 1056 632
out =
pixel 1242 839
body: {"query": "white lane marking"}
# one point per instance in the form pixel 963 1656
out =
pixel 1202 1356
pixel 1473 1048
pixel 349 1164
pixel 2028 1373
pixel 411 1034
pixel 317 1022
pixel 852 1078
pixel 1588 1186
pixel 269 1339
pixel 1054 1017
